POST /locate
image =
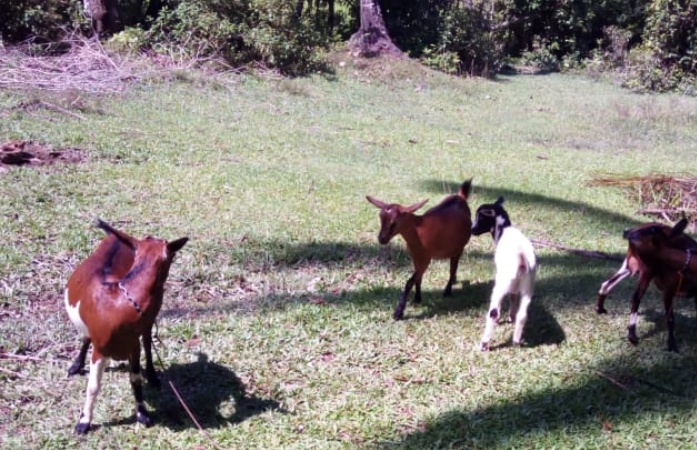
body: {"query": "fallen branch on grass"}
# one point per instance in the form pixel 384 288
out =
pixel 16 357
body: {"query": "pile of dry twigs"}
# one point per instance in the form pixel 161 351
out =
pixel 85 66
pixel 666 196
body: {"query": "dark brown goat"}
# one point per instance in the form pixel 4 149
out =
pixel 632 265
pixel 440 233
pixel 113 307
pixel 663 254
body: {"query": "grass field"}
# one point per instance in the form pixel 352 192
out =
pixel 277 327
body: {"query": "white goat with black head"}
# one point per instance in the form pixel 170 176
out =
pixel 515 269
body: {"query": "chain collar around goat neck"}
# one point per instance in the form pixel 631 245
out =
pixel 122 288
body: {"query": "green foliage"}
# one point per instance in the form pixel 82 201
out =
pixel 667 57
pixel 541 58
pixel 42 20
pixel 240 31
pixel 468 33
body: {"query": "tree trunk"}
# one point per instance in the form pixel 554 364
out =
pixel 104 15
pixel 372 38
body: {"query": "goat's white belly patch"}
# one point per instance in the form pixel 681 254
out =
pixel 74 314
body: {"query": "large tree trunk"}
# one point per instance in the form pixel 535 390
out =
pixel 372 38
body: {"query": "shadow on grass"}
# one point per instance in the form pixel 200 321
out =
pixel 579 286
pixel 613 220
pixel 609 395
pixel 206 388
pixel 653 322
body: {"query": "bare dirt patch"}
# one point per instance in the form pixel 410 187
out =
pixel 32 154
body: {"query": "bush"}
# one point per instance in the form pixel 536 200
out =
pixel 241 32
pixel 41 20
pixel 468 34
pixel 667 57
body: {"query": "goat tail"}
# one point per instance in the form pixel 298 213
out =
pixel 465 189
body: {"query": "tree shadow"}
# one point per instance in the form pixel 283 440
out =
pixel 612 219
pixel 607 395
pixel 207 388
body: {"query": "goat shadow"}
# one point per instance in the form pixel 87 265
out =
pixel 210 391
pixel 654 322
pixel 541 327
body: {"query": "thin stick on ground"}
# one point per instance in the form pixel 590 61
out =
pixel 613 381
pixel 193 418
pixel 576 251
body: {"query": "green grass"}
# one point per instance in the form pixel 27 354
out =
pixel 277 325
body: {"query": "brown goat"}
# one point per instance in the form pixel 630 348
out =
pixel 113 307
pixel 440 233
pixel 663 254
pixel 121 257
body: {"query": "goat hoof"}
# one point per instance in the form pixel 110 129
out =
pixel 633 340
pixel 143 417
pixel 82 428
pixel 484 346
pixel 601 310
pixel 72 370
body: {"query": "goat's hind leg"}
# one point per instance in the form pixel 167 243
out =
pixel 521 317
pixel 642 286
pixel 142 415
pixel 492 315
pixel 609 285
pixel 668 302
pixel 79 363
pixel 513 307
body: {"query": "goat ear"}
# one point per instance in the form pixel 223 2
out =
pixel 376 202
pixel 120 235
pixel 414 207
pixel 679 227
pixel 177 245
pixel 499 201
pixel 465 189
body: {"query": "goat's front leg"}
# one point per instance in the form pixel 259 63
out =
pixel 492 315
pixel 639 292
pixel 142 415
pixel 79 363
pixel 419 270
pixel 97 366
pixel 454 262
pixel 399 311
pixel 150 372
